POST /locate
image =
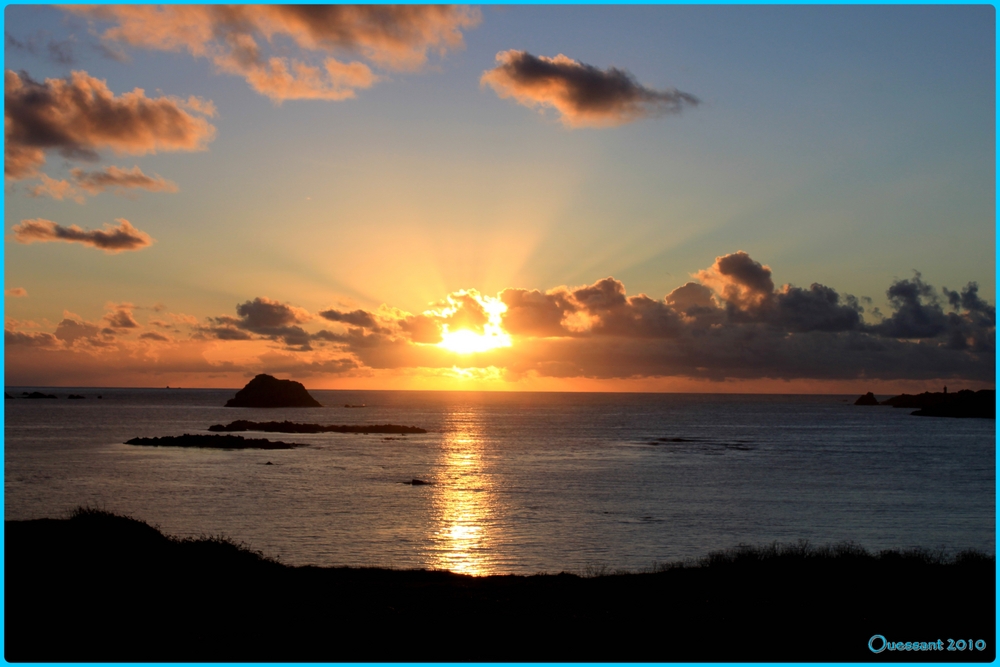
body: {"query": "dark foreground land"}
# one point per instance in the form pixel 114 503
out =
pixel 99 587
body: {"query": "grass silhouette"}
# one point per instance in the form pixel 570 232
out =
pixel 104 587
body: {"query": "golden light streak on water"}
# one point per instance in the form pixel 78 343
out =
pixel 463 503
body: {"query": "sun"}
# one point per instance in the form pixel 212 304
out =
pixel 464 341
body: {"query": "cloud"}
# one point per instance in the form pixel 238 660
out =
pixel 265 317
pixel 358 318
pixel 25 339
pixel 79 116
pixel 59 190
pixel 16 292
pixel 59 52
pixel 71 329
pixel 120 316
pixel 231 37
pixel 120 179
pixel 734 323
pixel 111 239
pixel 152 335
pixel 582 95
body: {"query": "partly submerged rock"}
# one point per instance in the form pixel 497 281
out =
pixel 265 391
pixel 212 442
pixel 37 394
pixel 292 427
pixel 867 399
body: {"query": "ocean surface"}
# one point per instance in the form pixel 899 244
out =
pixel 520 482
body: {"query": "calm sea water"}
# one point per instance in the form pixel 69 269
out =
pixel 521 483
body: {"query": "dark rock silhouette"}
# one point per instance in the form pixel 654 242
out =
pixel 265 391
pixel 292 427
pixel 37 394
pixel 6 395
pixel 417 482
pixel 867 399
pixel 212 442
pixel 152 598
pixel 964 403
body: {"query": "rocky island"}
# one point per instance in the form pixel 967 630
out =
pixel 212 442
pixel 265 391
pixel 292 427
pixel 964 403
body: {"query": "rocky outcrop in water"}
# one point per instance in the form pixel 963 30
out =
pixel 292 427
pixel 212 442
pixel 265 391
pixel 867 399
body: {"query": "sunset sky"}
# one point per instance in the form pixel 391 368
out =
pixel 645 198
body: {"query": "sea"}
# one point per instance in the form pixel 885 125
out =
pixel 517 483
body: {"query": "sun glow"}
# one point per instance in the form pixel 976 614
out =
pixel 465 341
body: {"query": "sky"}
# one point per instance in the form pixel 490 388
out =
pixel 775 199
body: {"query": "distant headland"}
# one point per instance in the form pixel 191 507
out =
pixel 265 391
pixel 964 403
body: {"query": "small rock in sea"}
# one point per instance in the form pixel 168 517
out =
pixel 867 399
pixel 417 482
pixel 6 395
pixel 269 464
pixel 265 391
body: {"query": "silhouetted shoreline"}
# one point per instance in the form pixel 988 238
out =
pixel 100 587
pixel 965 403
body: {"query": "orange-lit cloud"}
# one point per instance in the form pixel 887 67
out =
pixel 111 239
pixel 79 116
pixel 582 95
pixel 116 178
pixel 16 292
pixel 233 36
pixel 732 325
pixel 92 183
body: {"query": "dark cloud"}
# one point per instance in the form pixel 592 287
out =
pixel 233 37
pixel 110 239
pixel 152 335
pixel 267 318
pixel 918 311
pixel 120 317
pixel 24 339
pixel 69 330
pixel 79 116
pixel 582 94
pixel 358 318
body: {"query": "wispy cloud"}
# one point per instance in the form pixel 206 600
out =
pixel 582 95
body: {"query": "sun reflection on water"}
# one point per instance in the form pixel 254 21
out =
pixel 464 504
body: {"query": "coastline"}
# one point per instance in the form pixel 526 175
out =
pixel 103 587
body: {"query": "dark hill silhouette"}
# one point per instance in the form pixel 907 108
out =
pixel 265 391
pixel 100 587
pixel 292 427
pixel 212 442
